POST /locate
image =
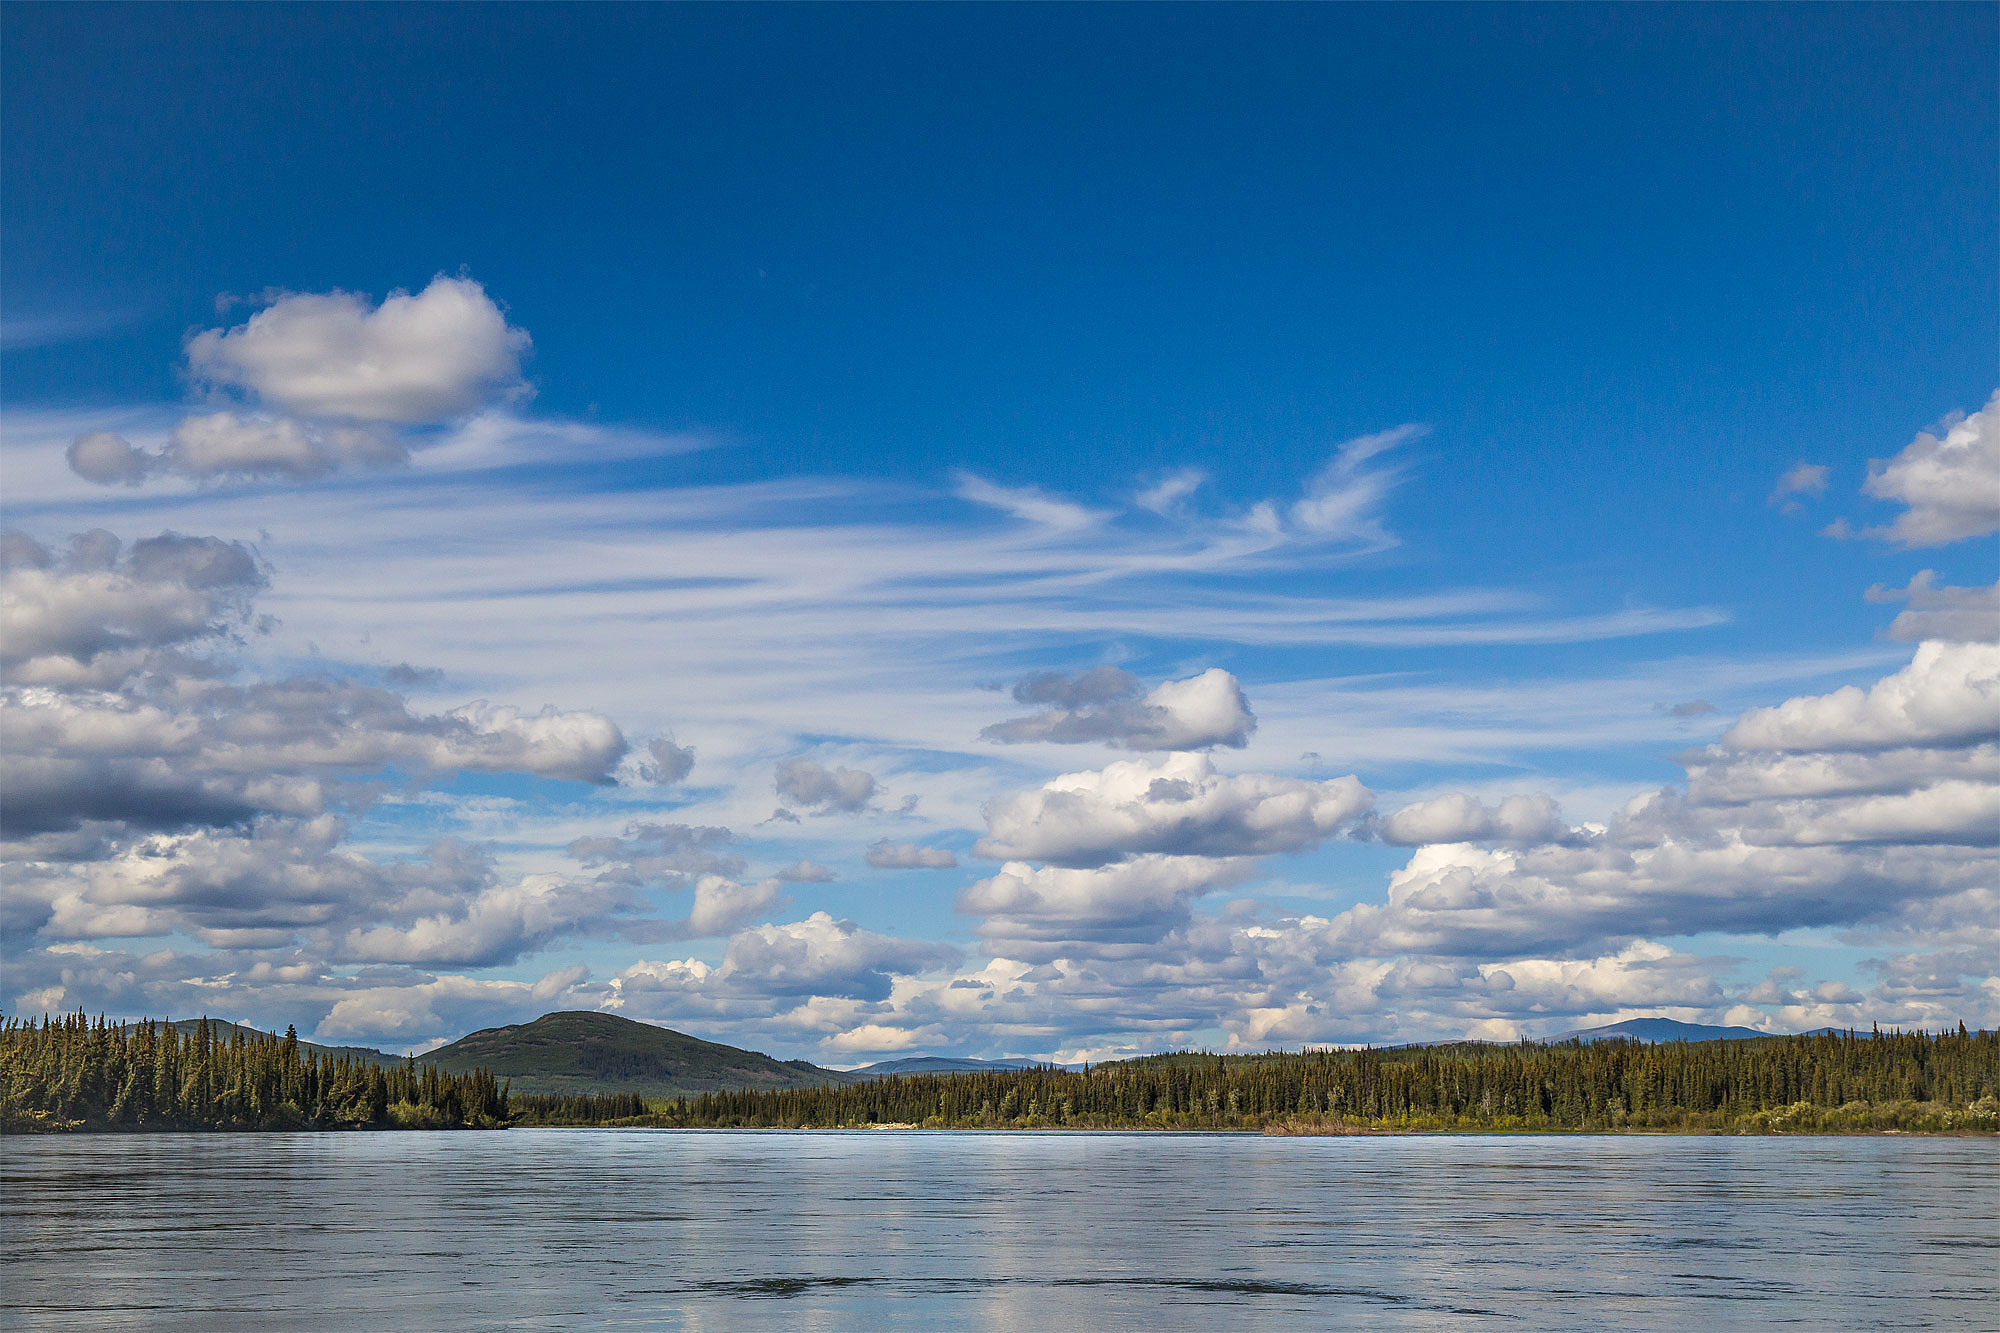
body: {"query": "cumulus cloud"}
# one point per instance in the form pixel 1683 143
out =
pixel 100 610
pixel 224 444
pixel 442 353
pixel 1138 900
pixel 1948 479
pixel 1719 776
pixel 886 855
pixel 583 747
pixel 1964 614
pixel 1464 901
pixel 805 872
pixel 813 786
pixel 497 925
pixel 1880 841
pixel 109 459
pixel 721 905
pixel 670 762
pixel 649 853
pixel 1948 694
pixel 203 751
pixel 771 967
pixel 431 1010
pixel 1457 817
pixel 1103 704
pixel 261 886
pixel 824 956
pixel 1177 805
pixel 150 792
pixel 1858 807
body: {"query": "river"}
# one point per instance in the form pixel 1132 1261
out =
pixel 636 1229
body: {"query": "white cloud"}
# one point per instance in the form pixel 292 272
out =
pixel 1343 500
pixel 1178 805
pixel 101 610
pixel 203 751
pixel 1948 694
pixel 109 459
pixel 1138 900
pixel 1101 705
pixel 1457 817
pixel 1949 482
pixel 498 925
pixel 1027 503
pixel 444 352
pixel 1718 776
pixel 1842 809
pixel 1165 496
pixel 721 905
pixel 1965 614
pixel 886 855
pixel 671 762
pixel 770 968
pixel 1799 479
pixel 583 747
pixel 812 786
pixel 225 444
pixel 438 1008
pixel 824 956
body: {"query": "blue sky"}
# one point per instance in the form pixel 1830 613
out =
pixel 802 385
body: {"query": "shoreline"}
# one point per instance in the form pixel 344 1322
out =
pixel 1041 1131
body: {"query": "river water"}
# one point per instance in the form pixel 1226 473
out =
pixel 636 1229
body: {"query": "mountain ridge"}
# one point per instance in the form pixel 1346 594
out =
pixel 1658 1030
pixel 585 1051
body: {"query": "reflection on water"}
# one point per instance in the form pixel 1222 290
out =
pixel 635 1229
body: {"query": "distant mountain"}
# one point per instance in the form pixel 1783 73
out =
pixel 938 1064
pixel 365 1054
pixel 1657 1029
pixel 581 1051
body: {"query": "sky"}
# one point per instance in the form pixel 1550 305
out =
pixel 1001 531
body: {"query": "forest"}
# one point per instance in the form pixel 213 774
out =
pixel 71 1073
pixel 1943 1082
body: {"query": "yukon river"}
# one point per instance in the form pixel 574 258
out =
pixel 636 1229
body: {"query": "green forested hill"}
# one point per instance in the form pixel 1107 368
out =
pixel 582 1052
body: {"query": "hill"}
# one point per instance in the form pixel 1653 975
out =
pixel 1658 1029
pixel 578 1051
pixel 365 1054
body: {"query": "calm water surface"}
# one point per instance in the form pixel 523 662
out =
pixel 634 1229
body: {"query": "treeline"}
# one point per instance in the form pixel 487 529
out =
pixel 1941 1082
pixel 605 1108
pixel 71 1073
